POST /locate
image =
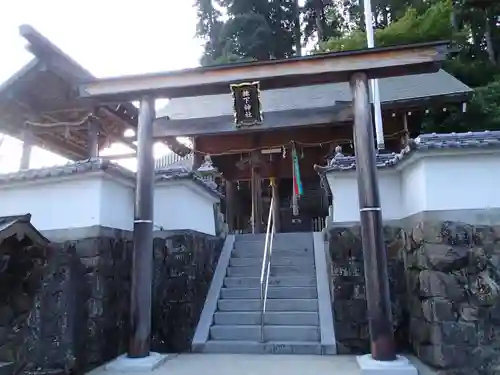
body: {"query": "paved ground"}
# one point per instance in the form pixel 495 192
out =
pixel 245 364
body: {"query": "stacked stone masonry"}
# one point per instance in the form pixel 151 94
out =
pixel 184 264
pixel 444 279
pixel 349 299
pixel 21 270
pixel 64 308
pixel 453 277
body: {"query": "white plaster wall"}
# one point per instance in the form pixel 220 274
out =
pixel 55 203
pixel 345 195
pixel 99 199
pixel 430 181
pixel 460 183
pixel 117 204
pixel 413 188
pixel 182 204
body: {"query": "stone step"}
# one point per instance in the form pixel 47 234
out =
pixel 303 304
pixel 271 333
pixel 252 347
pixel 249 237
pixel 276 260
pixel 274 271
pixel 272 292
pixel 7 368
pixel 280 246
pixel 304 318
pixel 254 282
pixel 284 253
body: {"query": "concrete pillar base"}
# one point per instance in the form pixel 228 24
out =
pixel 126 364
pixel 401 366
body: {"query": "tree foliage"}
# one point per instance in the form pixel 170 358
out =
pixel 413 27
pixel 249 30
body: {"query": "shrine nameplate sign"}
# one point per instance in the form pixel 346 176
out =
pixel 246 104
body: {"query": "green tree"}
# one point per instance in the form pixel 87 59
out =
pixel 413 27
pixel 267 29
pixel 254 29
pixel 209 28
pixel 323 19
pixel 475 37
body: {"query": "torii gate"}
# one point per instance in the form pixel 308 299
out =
pixel 356 67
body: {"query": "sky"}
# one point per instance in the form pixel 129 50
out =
pixel 107 37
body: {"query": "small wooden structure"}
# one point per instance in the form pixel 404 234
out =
pixel 41 106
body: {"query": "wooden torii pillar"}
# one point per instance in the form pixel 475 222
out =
pixel 256 186
pixel 26 150
pixel 93 137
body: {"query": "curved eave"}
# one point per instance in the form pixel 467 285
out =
pixel 336 115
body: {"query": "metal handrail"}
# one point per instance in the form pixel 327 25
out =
pixel 266 266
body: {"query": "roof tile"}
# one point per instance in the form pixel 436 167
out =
pixel 98 164
pixel 486 139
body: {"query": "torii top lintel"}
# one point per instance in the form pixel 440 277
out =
pixel 301 71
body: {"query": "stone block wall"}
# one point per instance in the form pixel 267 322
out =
pixel 453 278
pixel 184 264
pixel 445 292
pixel 80 315
pixel 65 308
pixel 349 299
pixel 21 268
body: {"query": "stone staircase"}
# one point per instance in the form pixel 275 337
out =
pixel 292 318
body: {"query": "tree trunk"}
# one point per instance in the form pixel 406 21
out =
pixel 298 33
pixel 487 36
pixel 320 19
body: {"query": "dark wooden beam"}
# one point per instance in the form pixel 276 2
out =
pixel 230 205
pixel 61 147
pixel 273 74
pixel 256 186
pixel 334 115
pixel 294 118
pixel 276 204
pixel 93 138
pixel 114 136
pixel 313 135
pixel 44 49
pixel 129 116
pixel 26 152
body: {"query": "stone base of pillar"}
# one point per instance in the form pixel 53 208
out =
pixel 146 364
pixel 401 366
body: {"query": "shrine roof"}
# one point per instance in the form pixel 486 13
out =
pixel 41 98
pixel 424 142
pixel 180 173
pixel 20 226
pixel 303 106
pixel 104 165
